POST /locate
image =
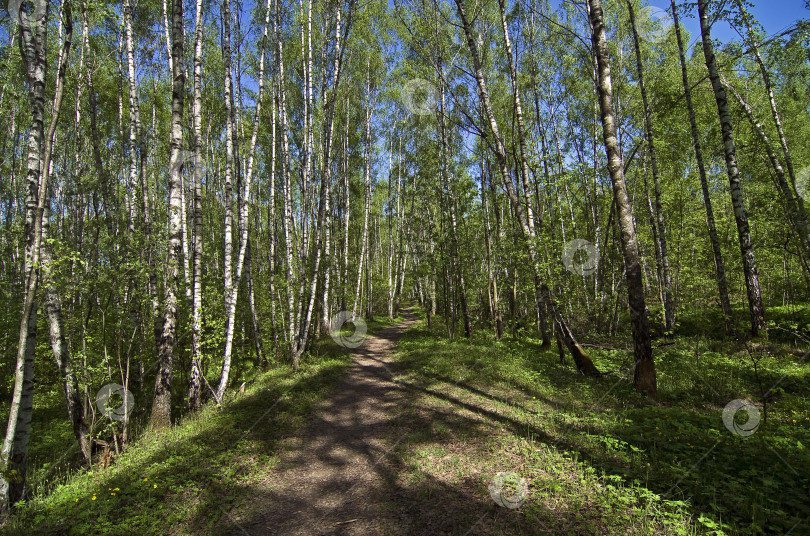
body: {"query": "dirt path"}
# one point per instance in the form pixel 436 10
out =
pixel 333 477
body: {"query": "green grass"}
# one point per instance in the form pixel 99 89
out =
pixel 597 456
pixel 184 480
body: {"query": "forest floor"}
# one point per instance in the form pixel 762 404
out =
pixel 345 472
pixel 481 437
pixel 332 476
pixel 416 434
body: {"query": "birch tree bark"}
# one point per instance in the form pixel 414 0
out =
pixel 161 416
pixel 346 211
pixel 766 79
pixel 288 215
pixel 229 168
pixel 195 377
pixel 244 206
pixel 14 452
pixel 53 304
pixel 644 375
pixel 583 362
pixel 366 188
pixel 391 232
pixel 137 174
pixel 719 265
pixel 755 307
pixel 322 232
pixel 447 182
pixel 666 275
pixel 795 215
pixel 321 239
pixel 523 162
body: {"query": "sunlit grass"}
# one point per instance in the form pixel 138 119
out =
pixel 598 456
pixel 182 481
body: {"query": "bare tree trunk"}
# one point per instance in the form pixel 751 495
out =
pixel 308 127
pixel 666 283
pixel 346 211
pixel 644 380
pixel 366 188
pixel 719 265
pixel 326 185
pixel 391 234
pixel 161 416
pixel 288 217
pixel 61 352
pixel 167 35
pixel 188 277
pixel 370 275
pixel 795 216
pixel 271 216
pixel 492 287
pixel 400 234
pixel 53 305
pixel 195 378
pixel 448 186
pixel 254 316
pixel 756 309
pixel 244 203
pixel 766 78
pixel 322 230
pixel 134 108
pixel 523 162
pixel 229 170
pixel 137 174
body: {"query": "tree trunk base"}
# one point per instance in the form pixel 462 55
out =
pixel 644 378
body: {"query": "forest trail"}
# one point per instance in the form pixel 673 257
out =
pixel 332 476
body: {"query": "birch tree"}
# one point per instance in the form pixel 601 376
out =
pixel 644 372
pixel 32 27
pixel 749 263
pixel 161 416
pixel 719 265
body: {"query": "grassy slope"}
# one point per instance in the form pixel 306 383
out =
pixel 596 457
pixel 184 481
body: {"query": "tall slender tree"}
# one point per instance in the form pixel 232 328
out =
pixel 195 378
pixel 32 26
pixel 719 265
pixel 161 416
pixel 660 225
pixel 644 374
pixel 749 263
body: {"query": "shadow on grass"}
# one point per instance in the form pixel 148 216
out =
pixel 213 462
pixel 682 453
pixel 188 472
pixel 395 499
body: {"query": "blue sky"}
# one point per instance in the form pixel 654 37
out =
pixel 774 15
